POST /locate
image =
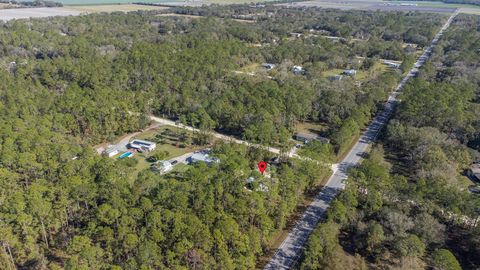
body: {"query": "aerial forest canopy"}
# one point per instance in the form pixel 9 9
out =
pixel 70 83
pixel 408 206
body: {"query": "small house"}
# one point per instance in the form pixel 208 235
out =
pixel 336 78
pixel 305 138
pixel 202 157
pixel 350 72
pixel 296 35
pixel 268 66
pixel 12 67
pixel 298 70
pixel 275 161
pixel 474 171
pixel 111 151
pixel 391 64
pixel 162 166
pixel 142 145
pixel 261 186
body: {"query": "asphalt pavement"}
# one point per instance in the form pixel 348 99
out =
pixel 292 247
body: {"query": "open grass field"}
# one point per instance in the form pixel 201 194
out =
pixel 310 128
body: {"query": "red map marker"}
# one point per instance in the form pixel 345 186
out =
pixel 262 166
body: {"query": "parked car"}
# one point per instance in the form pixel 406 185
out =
pixel 174 162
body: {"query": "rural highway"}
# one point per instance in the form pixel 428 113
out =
pixel 291 248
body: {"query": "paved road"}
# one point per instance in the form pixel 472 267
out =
pixel 292 247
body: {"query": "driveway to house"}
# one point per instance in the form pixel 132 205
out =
pixel 182 159
pixel 121 145
pixel 292 247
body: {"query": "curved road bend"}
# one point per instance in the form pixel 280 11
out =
pixel 291 249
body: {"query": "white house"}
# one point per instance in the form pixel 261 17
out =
pixel 111 151
pixel 391 64
pixel 297 69
pixel 142 145
pixel 202 157
pixel 162 166
pixel 261 186
pixel 268 66
pixel 350 72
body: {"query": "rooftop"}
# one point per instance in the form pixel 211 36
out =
pixel 137 141
pixel 475 168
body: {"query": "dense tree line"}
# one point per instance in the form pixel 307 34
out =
pixel 140 59
pixel 69 83
pixel 406 207
pixel 388 26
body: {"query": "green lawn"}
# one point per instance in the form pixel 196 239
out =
pixel 310 128
pixel 361 75
pixel 171 139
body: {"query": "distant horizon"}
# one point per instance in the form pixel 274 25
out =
pixel 106 2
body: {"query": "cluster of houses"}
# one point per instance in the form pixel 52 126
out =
pixel 164 166
pixel 297 70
